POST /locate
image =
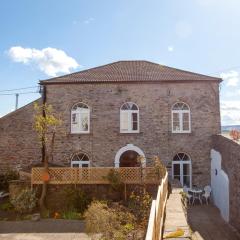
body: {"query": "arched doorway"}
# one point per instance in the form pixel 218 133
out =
pixel 129 159
pixel 127 156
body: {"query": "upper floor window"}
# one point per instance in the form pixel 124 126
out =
pixel 80 160
pixel 181 119
pixel 129 118
pixel 80 118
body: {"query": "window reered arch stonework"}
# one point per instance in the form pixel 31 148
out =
pixel 181 157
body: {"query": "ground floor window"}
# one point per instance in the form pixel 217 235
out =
pixel 182 169
pixel 80 160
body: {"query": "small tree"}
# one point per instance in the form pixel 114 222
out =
pixel 235 134
pixel 140 160
pixel 159 167
pixel 46 123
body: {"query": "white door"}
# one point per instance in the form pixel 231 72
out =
pixel 182 169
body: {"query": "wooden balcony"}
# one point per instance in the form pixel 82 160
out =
pixel 95 175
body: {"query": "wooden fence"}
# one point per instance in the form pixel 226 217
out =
pixel 95 175
pixel 156 218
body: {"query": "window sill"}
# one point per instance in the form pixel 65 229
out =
pixel 182 133
pixel 129 133
pixel 77 134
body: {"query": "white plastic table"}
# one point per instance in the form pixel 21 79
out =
pixel 197 194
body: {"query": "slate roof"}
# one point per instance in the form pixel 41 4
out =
pixel 129 71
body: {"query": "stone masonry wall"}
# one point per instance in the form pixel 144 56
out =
pixel 230 152
pixel 155 137
pixel 19 146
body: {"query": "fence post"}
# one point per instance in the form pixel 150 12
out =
pixel 125 191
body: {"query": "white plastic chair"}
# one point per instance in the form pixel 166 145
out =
pixel 189 196
pixel 207 193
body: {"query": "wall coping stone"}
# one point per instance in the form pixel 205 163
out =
pixel 175 215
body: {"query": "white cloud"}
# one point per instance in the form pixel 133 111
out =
pixel 170 48
pixel 207 2
pixel 217 3
pixel 183 29
pixel 231 78
pixel 51 61
pixel 232 93
pixel 230 112
pixel 89 20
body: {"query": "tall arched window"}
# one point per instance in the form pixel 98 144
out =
pixel 129 118
pixel 181 119
pixel 80 118
pixel 182 169
pixel 80 159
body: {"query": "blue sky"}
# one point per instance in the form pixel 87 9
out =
pixel 40 39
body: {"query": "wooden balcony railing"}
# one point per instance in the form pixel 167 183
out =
pixel 95 175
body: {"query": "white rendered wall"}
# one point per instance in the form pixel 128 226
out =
pixel 220 185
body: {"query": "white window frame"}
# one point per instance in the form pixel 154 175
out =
pixel 180 115
pixel 80 162
pixel 79 112
pixel 181 163
pixel 130 121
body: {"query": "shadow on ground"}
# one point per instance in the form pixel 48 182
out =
pixel 207 221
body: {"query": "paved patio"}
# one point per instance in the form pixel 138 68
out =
pixel 44 229
pixel 207 221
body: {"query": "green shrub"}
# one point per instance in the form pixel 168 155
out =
pixel 112 223
pixel 6 206
pixel 76 200
pixel 25 202
pixel 140 205
pixel 72 215
pixel 5 178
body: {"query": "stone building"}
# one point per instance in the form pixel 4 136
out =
pixel 113 113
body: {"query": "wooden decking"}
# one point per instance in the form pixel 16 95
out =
pixel 95 175
pixel 207 221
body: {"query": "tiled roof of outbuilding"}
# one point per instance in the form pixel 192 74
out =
pixel 130 71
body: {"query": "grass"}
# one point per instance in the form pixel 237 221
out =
pixel 72 215
pixel 6 206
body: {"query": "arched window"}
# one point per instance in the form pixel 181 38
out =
pixel 181 119
pixel 80 118
pixel 129 118
pixel 80 160
pixel 182 169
